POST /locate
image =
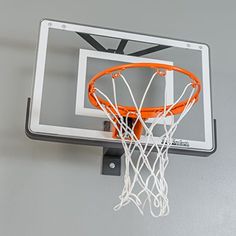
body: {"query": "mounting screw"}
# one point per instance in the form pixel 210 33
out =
pixel 112 165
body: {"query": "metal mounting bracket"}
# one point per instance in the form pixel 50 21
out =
pixel 121 47
pixel 111 164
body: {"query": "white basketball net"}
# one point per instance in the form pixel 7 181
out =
pixel 140 188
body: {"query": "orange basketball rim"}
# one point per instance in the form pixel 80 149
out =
pixel 146 112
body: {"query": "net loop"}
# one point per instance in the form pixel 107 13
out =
pixel 161 72
pixel 116 75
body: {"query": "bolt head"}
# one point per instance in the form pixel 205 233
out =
pixel 112 165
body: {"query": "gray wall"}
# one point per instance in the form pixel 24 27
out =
pixel 56 189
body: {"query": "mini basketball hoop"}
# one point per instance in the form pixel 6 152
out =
pixel 129 126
